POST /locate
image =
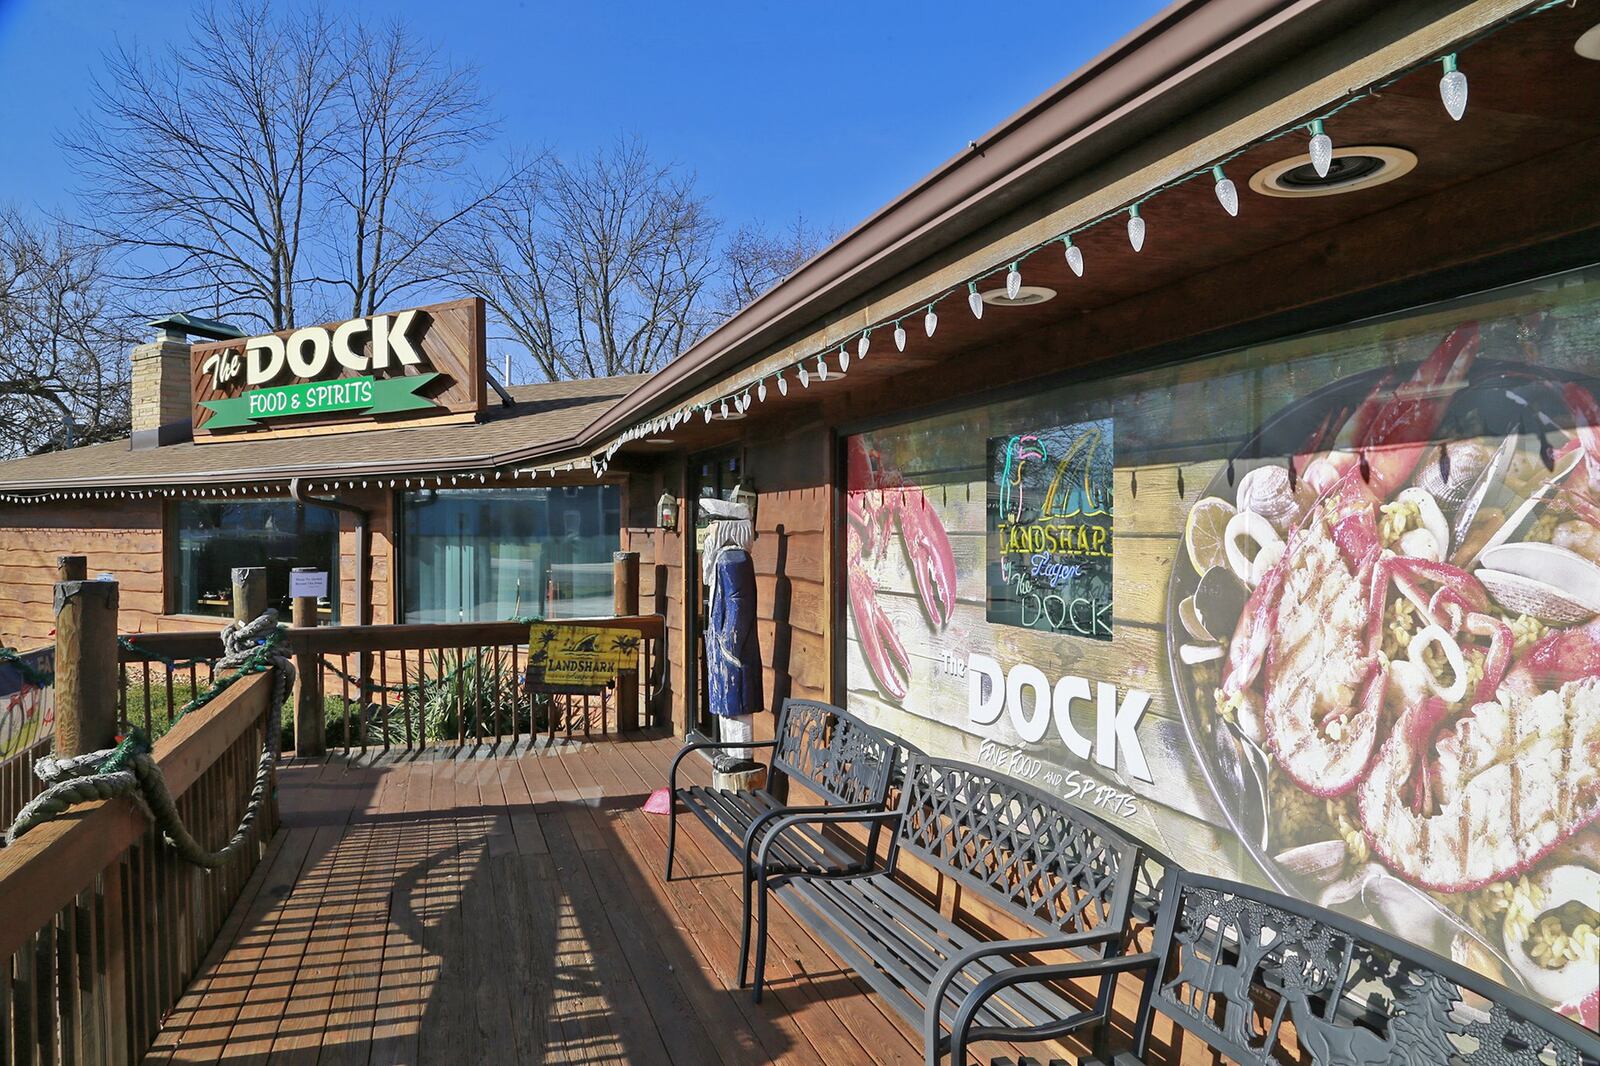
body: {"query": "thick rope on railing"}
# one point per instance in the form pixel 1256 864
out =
pixel 129 770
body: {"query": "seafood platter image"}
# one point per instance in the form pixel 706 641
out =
pixel 1384 636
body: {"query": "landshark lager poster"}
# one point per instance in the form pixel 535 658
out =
pixel 1353 651
pixel 1050 529
pixel 580 655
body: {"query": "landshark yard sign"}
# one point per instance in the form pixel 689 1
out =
pixel 365 373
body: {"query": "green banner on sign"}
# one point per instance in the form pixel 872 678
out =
pixel 366 395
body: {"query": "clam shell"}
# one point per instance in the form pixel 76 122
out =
pixel 1265 490
pixel 1191 620
pixel 1556 586
pixel 1521 516
pixel 1451 472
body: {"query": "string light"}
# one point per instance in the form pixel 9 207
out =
pixel 1135 228
pixel 805 378
pixel 844 359
pixel 899 336
pixel 761 391
pixel 930 321
pixel 974 301
pixel 1074 255
pixel 822 368
pixel 1453 88
pixel 1227 193
pixel 1321 148
pixel 1013 282
pixel 863 344
pixel 783 384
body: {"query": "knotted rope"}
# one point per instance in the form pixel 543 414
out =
pixel 129 770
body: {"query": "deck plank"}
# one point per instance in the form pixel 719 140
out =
pixel 510 909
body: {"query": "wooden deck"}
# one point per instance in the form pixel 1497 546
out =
pixel 508 910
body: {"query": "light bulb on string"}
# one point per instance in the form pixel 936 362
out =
pixel 930 321
pixel 974 301
pixel 1227 192
pixel 822 368
pixel 706 412
pixel 1013 282
pixel 722 412
pixel 844 359
pixel 783 385
pixel 1135 228
pixel 1074 255
pixel 805 378
pixel 1321 148
pixel 899 336
pixel 761 391
pixel 1453 88
pixel 863 344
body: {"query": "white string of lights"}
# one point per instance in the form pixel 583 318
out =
pixel 1320 149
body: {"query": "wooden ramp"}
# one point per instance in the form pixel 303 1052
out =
pixel 508 910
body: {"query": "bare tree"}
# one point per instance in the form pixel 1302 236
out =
pixel 277 165
pixel 598 267
pixel 63 343
pixel 755 259
pixel 412 119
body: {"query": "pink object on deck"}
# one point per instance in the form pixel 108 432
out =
pixel 660 802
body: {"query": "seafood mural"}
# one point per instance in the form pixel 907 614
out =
pixel 27 711
pixel 1413 674
pixel 1356 642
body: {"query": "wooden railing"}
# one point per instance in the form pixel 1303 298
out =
pixel 103 926
pixel 159 673
pixel 458 685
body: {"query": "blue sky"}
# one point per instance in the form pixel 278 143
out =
pixel 823 109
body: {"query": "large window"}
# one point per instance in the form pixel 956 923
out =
pixel 483 555
pixel 215 537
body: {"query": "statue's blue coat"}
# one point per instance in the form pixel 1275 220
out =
pixel 734 687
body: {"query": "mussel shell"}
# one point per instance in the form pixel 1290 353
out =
pixel 1488 479
pixel 1219 601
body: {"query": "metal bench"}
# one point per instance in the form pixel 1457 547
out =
pixel 833 754
pixel 1056 869
pixel 1265 979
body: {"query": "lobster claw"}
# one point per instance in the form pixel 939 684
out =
pixel 928 554
pixel 880 644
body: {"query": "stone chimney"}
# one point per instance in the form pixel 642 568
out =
pixel 160 403
pixel 160 400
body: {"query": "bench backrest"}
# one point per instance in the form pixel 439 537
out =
pixel 1257 975
pixel 832 752
pixel 1051 865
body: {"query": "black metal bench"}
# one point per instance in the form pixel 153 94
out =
pixel 1056 869
pixel 1264 979
pixel 832 753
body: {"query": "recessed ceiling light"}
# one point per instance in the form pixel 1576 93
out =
pixel 1028 294
pixel 1588 46
pixel 1354 167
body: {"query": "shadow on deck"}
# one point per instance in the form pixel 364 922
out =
pixel 507 910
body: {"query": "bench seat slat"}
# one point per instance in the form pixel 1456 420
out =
pixel 729 814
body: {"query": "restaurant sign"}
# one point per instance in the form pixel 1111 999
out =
pixel 562 654
pixel 363 373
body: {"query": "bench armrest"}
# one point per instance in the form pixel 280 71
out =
pixel 961 960
pixel 837 814
pixel 764 817
pixel 702 745
pixel 994 982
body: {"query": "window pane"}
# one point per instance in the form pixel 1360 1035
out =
pixel 484 555
pixel 214 537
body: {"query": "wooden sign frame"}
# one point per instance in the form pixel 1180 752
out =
pixel 450 338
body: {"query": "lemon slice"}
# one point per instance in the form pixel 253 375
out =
pixel 1203 532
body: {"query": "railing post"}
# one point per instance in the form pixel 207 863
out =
pixel 310 727
pixel 249 592
pixel 72 568
pixel 86 666
pixel 625 603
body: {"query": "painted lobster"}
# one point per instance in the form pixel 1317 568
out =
pixel 880 502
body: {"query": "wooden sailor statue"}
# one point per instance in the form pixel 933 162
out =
pixel 733 656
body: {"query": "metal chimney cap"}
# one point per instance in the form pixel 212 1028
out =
pixel 185 326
